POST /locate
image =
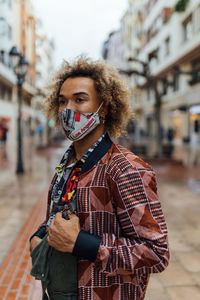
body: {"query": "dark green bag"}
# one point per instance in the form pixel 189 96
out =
pixel 56 270
pixel 40 260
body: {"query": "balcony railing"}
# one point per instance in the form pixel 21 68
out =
pixel 195 78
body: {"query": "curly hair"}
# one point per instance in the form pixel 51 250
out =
pixel 109 86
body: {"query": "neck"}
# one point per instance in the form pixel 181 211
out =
pixel 84 144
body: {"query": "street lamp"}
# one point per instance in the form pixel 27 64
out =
pixel 20 67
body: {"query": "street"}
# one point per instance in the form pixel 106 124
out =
pixel 179 191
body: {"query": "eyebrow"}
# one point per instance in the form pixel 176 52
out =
pixel 75 94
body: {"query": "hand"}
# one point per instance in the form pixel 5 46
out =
pixel 34 242
pixel 62 234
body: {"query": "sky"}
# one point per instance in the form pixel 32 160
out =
pixel 79 26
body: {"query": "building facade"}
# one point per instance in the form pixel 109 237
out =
pixel 44 68
pixel 8 107
pixel 171 47
pixel 113 49
pixel 19 27
pixel 168 43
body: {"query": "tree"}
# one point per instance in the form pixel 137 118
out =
pixel 152 82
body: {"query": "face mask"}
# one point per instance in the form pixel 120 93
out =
pixel 77 125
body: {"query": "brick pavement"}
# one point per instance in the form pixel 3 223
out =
pixel 15 279
pixel 22 207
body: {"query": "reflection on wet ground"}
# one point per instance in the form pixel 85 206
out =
pixel 194 185
pixel 179 190
pixel 19 193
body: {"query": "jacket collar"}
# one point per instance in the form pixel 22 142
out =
pixel 97 153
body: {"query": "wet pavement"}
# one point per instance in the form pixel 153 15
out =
pixel 22 207
pixel 19 193
pixel 179 192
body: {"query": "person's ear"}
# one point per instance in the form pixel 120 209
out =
pixel 103 111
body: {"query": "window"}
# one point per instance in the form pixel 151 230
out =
pixel 9 32
pixel 196 126
pixel 165 85
pixel 196 72
pixel 187 29
pixel 2 26
pixel 5 92
pixel 2 53
pixel 5 29
pixel 148 93
pixel 198 19
pixel 167 46
pixel 158 23
pixel 154 55
pixel 176 79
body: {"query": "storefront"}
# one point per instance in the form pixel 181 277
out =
pixel 195 124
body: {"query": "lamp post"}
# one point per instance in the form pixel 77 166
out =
pixel 20 67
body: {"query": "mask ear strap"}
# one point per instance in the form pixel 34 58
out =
pixel 99 108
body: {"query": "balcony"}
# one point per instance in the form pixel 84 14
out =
pixel 6 74
pixel 195 78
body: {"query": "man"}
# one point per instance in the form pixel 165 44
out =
pixel 114 233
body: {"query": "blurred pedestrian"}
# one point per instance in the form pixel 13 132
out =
pixel 104 232
pixel 40 130
pixel 170 135
pixel 170 138
pixel 3 132
pixel 3 137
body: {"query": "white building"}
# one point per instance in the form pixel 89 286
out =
pixel 45 56
pixel 7 77
pixel 166 37
pixel 172 50
pixel 44 68
pixel 113 49
pixel 6 29
pixel 18 27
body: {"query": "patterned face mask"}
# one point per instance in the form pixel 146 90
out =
pixel 76 125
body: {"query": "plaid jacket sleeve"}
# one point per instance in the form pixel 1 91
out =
pixel 142 245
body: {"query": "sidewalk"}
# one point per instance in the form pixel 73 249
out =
pixel 15 279
pixel 180 202
pixel 22 209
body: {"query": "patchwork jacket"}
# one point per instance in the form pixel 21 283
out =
pixel 123 236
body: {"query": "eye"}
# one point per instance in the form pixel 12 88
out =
pixel 62 102
pixel 79 99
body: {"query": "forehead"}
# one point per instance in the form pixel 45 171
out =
pixel 78 84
